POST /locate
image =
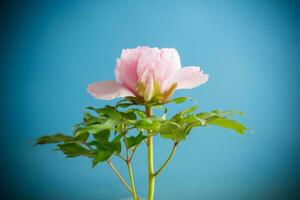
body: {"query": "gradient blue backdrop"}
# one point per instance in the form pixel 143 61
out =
pixel 51 51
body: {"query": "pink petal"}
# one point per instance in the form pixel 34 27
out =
pixel 164 62
pixel 148 80
pixel 151 57
pixel 126 74
pixel 126 69
pixel 171 55
pixel 133 54
pixel 186 78
pixel 108 90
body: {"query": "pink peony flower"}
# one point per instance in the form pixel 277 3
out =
pixel 148 73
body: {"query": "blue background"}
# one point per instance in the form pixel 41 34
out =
pixel 51 51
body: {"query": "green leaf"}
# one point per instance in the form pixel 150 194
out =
pixel 192 118
pixel 82 137
pixel 81 134
pixel 97 128
pixel 57 138
pixel 87 116
pixel 105 148
pixel 135 140
pixel 103 144
pixel 101 156
pixel 117 146
pixel 189 110
pixel 172 130
pixel 228 113
pixel 139 113
pixel 124 105
pixel 179 100
pixel 118 137
pixel 230 124
pixel 152 123
pixel 74 150
pixel 136 100
pixel 130 115
pixel 108 124
pixel 110 112
pixel 206 115
pixel 102 135
pixel 90 119
pixel 107 111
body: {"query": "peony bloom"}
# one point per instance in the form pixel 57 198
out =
pixel 148 73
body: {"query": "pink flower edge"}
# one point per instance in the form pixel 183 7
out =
pixel 108 90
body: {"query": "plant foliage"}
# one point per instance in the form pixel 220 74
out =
pixel 104 132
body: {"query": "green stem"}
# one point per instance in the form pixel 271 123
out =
pixel 167 161
pixel 150 160
pixel 119 176
pixel 132 181
pixel 130 169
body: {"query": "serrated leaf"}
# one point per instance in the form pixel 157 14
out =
pixel 74 150
pixel 110 112
pixel 152 123
pixel 102 142
pixel 107 111
pixel 81 134
pixel 172 130
pixel 139 113
pixel 194 119
pixel 134 140
pixel 101 156
pixel 108 124
pixel 82 137
pixel 230 124
pixel 130 115
pixel 102 135
pixel 118 137
pixel 89 119
pixel 50 139
pixel 97 128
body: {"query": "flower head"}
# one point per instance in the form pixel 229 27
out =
pixel 148 73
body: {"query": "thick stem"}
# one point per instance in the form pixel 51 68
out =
pixel 150 160
pixel 167 161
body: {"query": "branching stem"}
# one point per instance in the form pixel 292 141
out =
pixel 119 175
pixel 128 159
pixel 167 161
pixel 120 156
pixel 133 152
